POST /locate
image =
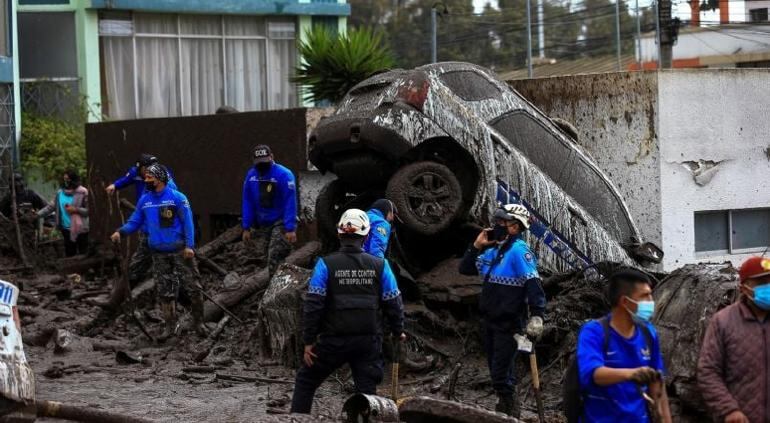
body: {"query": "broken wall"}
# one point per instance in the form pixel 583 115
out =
pixel 714 128
pixel 615 115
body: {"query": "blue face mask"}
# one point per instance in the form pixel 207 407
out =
pixel 644 309
pixel 762 296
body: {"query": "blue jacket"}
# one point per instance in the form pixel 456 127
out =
pixel 376 243
pixel 168 218
pixel 133 177
pixel 270 198
pixel 511 281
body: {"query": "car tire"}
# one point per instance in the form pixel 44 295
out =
pixel 428 196
pixel 332 201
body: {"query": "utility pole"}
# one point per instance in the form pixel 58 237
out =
pixel 665 33
pixel 540 30
pixel 657 32
pixel 638 35
pixel 617 30
pixel 529 39
pixel 433 38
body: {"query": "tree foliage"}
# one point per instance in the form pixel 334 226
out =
pixel 52 145
pixel 333 64
pixel 497 37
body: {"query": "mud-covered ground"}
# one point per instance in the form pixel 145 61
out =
pixel 83 356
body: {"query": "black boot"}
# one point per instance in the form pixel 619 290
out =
pixel 509 405
pixel 504 404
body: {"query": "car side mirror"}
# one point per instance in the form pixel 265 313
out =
pixel 647 252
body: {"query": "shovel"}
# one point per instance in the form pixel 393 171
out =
pixel 525 346
pixel 394 368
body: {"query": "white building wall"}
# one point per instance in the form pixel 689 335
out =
pixel 714 41
pixel 718 115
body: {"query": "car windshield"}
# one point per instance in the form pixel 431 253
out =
pixel 565 166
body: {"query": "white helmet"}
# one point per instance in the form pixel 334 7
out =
pixel 354 221
pixel 513 212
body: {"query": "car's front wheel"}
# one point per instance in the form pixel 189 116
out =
pixel 428 196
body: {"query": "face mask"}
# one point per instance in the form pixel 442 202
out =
pixel 644 309
pixel 263 167
pixel 761 296
pixel 150 186
pixel 499 232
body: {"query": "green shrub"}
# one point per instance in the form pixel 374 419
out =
pixel 333 64
pixel 52 145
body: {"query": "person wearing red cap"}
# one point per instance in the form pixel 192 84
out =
pixel 733 365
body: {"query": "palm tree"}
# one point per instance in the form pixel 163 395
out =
pixel 332 64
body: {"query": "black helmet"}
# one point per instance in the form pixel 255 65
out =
pixel 158 171
pixel 145 160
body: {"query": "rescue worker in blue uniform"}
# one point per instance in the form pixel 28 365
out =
pixel 342 314
pixel 510 283
pixel 381 216
pixel 270 207
pixel 168 219
pixel 141 260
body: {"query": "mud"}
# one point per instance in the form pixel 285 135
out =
pixel 82 358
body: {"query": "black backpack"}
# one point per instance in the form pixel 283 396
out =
pixel 572 394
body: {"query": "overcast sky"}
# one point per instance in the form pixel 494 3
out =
pixel 478 5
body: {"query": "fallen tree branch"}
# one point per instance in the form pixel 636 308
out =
pixel 258 281
pixel 239 378
pixel 60 410
pixel 212 340
pixel 427 344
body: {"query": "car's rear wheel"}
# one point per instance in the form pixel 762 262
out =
pixel 428 196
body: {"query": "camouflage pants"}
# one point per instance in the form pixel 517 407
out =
pixel 272 240
pixel 173 273
pixel 141 261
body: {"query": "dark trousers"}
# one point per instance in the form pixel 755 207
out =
pixel 501 350
pixel 362 353
pixel 72 248
pixel 141 261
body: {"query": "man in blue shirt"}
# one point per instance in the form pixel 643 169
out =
pixel 613 380
pixel 511 283
pixel 141 260
pixel 381 216
pixel 342 322
pixel 166 215
pixel 270 207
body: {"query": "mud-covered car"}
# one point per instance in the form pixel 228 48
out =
pixel 17 380
pixel 449 142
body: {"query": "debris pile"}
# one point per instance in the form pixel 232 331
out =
pixel 254 335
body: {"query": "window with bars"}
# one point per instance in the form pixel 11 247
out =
pixel 160 65
pixel 732 231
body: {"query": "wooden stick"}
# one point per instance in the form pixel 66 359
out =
pixel 239 378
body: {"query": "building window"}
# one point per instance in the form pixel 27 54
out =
pixel 48 66
pixel 732 231
pixel 758 15
pixel 159 65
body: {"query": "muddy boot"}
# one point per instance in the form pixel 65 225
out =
pixel 197 315
pixel 504 404
pixel 169 316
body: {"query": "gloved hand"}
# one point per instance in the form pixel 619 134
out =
pixel 645 375
pixel 535 328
